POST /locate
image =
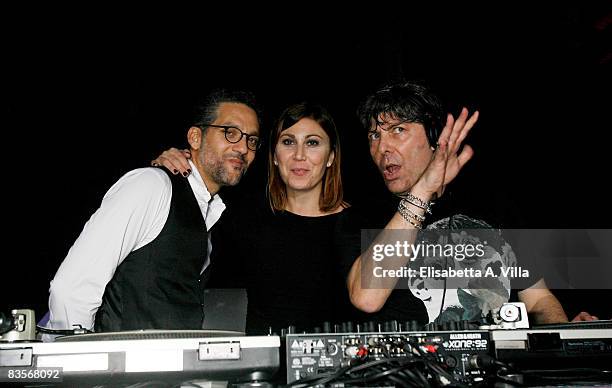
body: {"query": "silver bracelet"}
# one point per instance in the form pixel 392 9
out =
pixel 418 202
pixel 406 216
pixel 413 215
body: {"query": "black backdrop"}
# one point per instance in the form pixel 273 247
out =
pixel 88 98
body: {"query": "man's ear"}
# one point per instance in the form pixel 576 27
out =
pixel 194 137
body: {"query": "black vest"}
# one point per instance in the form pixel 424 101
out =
pixel 159 286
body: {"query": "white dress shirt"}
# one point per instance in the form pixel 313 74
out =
pixel 132 214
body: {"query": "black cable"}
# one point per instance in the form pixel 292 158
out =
pixel 424 370
pixel 325 378
pixel 409 375
pixel 437 368
pixel 413 374
pixel 305 381
pixel 334 376
pixel 374 370
pixel 400 382
pixel 374 363
pixel 378 376
pixel 423 379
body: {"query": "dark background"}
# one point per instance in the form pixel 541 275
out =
pixel 89 97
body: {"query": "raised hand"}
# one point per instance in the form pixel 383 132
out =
pixel 174 160
pixel 447 161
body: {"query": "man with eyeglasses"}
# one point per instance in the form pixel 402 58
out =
pixel 141 260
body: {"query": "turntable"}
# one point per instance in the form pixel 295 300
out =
pixel 149 334
pixel 170 356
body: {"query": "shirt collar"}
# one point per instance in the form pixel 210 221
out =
pixel 201 191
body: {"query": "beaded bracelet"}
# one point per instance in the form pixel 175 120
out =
pixel 418 202
pixel 413 215
pixel 409 216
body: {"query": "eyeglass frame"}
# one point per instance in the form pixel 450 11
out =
pixel 242 134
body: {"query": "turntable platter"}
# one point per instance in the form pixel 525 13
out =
pixel 149 334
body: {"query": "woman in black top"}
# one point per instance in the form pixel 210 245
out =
pixel 288 254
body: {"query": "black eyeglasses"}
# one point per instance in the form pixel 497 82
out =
pixel 234 135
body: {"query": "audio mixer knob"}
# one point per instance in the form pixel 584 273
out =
pixel 326 327
pixel 390 326
pixel 370 327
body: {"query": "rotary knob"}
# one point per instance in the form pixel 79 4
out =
pixel 509 313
